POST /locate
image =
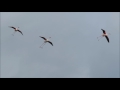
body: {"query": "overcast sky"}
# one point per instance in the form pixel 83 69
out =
pixel 76 51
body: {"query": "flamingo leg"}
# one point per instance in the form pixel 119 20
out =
pixel 42 45
pixel 99 37
pixel 13 33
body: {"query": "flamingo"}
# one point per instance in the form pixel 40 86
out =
pixel 16 29
pixel 46 40
pixel 104 35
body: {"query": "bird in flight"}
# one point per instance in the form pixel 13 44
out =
pixel 45 41
pixel 16 29
pixel 104 35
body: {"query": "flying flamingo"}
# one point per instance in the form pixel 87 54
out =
pixel 104 35
pixel 46 40
pixel 16 29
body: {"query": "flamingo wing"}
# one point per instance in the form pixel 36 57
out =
pixel 12 27
pixel 103 31
pixel 20 32
pixel 43 38
pixel 107 38
pixel 50 43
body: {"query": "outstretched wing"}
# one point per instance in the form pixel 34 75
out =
pixel 103 31
pixel 50 43
pixel 20 32
pixel 107 38
pixel 12 27
pixel 43 38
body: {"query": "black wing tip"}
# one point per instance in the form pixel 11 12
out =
pixel 21 33
pixel 107 39
pixel 50 43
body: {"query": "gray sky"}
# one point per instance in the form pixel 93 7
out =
pixel 76 52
